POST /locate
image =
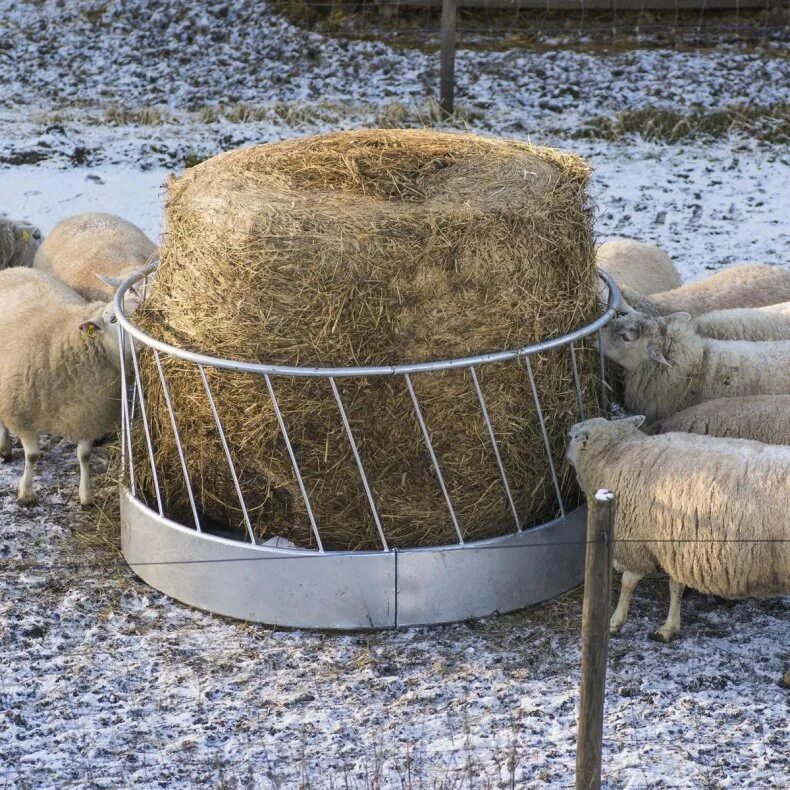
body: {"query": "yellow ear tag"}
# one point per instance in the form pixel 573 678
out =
pixel 91 330
pixel 25 237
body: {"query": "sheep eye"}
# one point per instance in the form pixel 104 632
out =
pixel 114 319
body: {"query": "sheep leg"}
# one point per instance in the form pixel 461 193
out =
pixel 627 586
pixel 5 443
pixel 84 447
pixel 670 628
pixel 25 495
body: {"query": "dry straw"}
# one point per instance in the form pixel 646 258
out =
pixel 368 248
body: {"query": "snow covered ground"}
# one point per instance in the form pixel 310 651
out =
pixel 105 683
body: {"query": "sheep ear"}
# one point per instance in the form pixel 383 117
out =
pixel 113 282
pixel 637 420
pixel 90 328
pixel 657 355
pixel 680 318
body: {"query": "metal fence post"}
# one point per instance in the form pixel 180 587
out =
pixel 595 638
pixel 447 71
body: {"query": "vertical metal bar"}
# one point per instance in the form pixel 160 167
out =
pixel 426 436
pixel 126 431
pixel 358 459
pixel 447 57
pixel 576 384
pixel 546 442
pixel 228 457
pixel 292 456
pixel 495 448
pixel 146 428
pixel 181 458
pixel 602 373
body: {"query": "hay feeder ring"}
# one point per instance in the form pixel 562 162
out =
pixel 233 575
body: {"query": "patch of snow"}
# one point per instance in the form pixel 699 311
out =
pixel 105 682
pixel 707 204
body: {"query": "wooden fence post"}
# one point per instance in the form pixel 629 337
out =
pixel 447 69
pixel 595 638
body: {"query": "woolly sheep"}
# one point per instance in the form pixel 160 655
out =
pixel 763 418
pixel 19 242
pixel 710 512
pixel 746 323
pixel 59 370
pixel 636 264
pixel 669 367
pixel 749 285
pixel 93 253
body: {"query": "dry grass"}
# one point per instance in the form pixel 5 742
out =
pixel 771 124
pixel 372 248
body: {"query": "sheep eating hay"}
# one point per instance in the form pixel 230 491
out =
pixel 371 248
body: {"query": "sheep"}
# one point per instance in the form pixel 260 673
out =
pixel 19 242
pixel 93 253
pixel 644 267
pixel 771 322
pixel 763 418
pixel 710 512
pixel 59 370
pixel 669 367
pixel 749 285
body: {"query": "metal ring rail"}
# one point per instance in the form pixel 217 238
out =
pixel 315 588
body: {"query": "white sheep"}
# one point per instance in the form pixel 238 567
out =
pixel 771 322
pixel 59 370
pixel 94 252
pixel 669 367
pixel 643 267
pixel 710 512
pixel 748 285
pixel 19 242
pixel 763 418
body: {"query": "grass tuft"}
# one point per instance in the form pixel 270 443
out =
pixel 770 124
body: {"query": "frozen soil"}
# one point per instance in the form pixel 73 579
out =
pixel 76 73
pixel 104 682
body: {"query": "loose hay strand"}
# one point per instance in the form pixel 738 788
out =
pixel 372 247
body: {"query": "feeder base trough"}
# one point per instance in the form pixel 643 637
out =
pixel 352 590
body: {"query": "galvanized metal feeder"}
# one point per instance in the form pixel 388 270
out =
pixel 306 588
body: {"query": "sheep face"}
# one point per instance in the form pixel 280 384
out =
pixel 18 242
pixel 28 240
pixel 590 432
pixel 633 339
pixel 102 327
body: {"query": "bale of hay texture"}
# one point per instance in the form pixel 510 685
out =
pixel 371 248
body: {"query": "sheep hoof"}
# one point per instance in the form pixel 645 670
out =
pixel 786 680
pixel 27 501
pixel 664 637
pixel 86 505
pixel 614 630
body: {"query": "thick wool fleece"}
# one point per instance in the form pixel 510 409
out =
pixel 762 418
pixel 710 512
pixel 749 285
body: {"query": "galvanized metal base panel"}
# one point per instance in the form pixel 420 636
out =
pixel 478 579
pixel 351 590
pixel 291 588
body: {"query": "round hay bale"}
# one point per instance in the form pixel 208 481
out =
pixel 369 248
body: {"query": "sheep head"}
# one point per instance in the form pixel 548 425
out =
pixel 633 339
pixel 589 433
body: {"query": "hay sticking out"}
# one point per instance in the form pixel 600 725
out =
pixel 371 248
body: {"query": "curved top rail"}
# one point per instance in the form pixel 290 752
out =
pixel 613 303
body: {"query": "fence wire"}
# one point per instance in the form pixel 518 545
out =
pixel 501 25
